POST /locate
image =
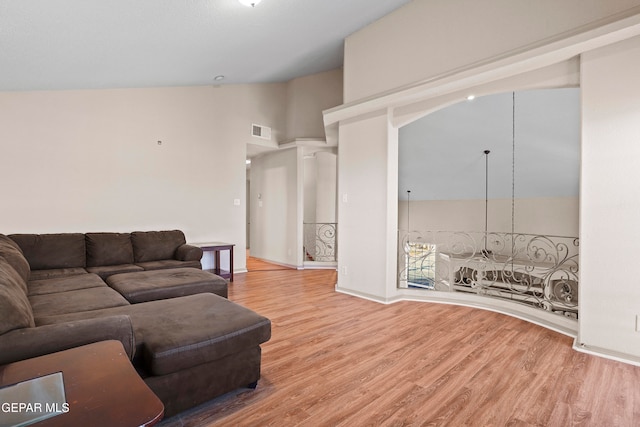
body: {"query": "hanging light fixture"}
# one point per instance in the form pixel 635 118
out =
pixel 513 175
pixel 486 251
pixel 250 3
pixel 408 206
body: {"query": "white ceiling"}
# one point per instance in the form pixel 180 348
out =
pixel 441 156
pixel 87 44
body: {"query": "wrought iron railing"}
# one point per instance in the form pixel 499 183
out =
pixel 537 270
pixel 320 242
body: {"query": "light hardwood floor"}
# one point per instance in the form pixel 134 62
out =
pixel 337 360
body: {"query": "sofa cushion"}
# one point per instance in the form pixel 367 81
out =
pixel 48 251
pixel 77 301
pixel 8 241
pixel 168 263
pixel 65 284
pixel 25 343
pixel 11 276
pixel 56 273
pixel 188 253
pixel 156 245
pixel 12 253
pixel 15 311
pixel 109 270
pixel 108 249
pixel 160 284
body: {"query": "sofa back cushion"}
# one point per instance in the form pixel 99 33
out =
pixel 108 249
pixel 156 245
pixel 48 251
pixel 15 310
pixel 10 251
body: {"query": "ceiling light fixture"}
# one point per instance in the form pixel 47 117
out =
pixel 471 97
pixel 218 78
pixel 250 3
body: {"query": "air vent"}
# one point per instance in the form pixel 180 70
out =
pixel 263 132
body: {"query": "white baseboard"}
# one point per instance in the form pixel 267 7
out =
pixel 563 325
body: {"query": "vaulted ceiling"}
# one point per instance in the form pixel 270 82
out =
pixel 88 44
pixel 441 156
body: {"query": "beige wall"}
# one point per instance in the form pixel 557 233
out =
pixel 283 174
pixel 89 160
pixel 306 98
pixel 276 207
pixel 427 38
pixel 326 186
pixel 367 207
pixel 320 186
pixel 555 216
pixel 610 199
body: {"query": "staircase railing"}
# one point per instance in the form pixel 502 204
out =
pixel 320 243
pixel 537 270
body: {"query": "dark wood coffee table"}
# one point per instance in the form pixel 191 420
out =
pixel 101 386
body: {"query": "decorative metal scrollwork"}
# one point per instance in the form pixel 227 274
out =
pixel 320 242
pixel 537 270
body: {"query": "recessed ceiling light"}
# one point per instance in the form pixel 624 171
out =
pixel 250 3
pixel 218 78
pixel 471 97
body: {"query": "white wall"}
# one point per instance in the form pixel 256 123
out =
pixel 610 201
pixel 276 207
pixel 427 38
pixel 89 160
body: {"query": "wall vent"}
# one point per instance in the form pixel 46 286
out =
pixel 259 131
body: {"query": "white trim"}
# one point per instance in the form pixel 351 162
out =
pixel 366 296
pixel 607 354
pixel 281 264
pixel 320 265
pixel 305 142
pixel 528 58
pixel 554 322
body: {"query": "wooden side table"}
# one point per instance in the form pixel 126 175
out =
pixel 101 386
pixel 216 247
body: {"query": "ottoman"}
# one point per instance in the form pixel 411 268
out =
pixel 142 286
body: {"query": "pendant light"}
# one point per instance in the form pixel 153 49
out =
pixel 408 206
pixel 485 251
pixel 513 174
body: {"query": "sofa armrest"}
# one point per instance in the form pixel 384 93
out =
pixel 188 252
pixel 26 343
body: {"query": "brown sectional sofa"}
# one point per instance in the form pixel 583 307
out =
pixel 105 254
pixel 189 343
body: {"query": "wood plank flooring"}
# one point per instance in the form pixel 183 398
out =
pixel 337 360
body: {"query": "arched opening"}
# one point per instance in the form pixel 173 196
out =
pixel 488 199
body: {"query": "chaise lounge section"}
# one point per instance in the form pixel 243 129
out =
pixel 189 343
